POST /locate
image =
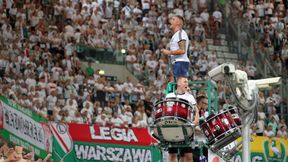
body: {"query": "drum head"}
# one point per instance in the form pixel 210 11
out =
pixel 218 126
pixel 172 130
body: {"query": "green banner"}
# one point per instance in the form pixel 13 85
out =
pixel 93 152
pixel 24 127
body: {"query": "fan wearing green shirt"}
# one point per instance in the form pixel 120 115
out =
pixel 89 70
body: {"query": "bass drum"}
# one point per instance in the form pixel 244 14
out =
pixel 172 120
pixel 222 129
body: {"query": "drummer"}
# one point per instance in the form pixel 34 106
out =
pixel 202 104
pixel 183 93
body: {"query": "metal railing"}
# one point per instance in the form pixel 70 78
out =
pixel 197 86
pixel 101 55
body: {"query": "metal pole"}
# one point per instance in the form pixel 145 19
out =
pixel 247 120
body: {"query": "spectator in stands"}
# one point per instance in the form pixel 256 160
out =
pixel 102 119
pixel 11 156
pixel 116 120
pixel 282 132
pixel 269 132
pixel 217 18
pixel 89 70
pixel 251 70
pixel 140 112
pixel 97 108
pixel 202 64
pixel 261 98
pixel 274 124
pixel 4 149
pixel 130 59
pixel 261 121
pixel 127 116
pixel 260 8
pixel 253 130
pixel 51 101
pixel 282 123
pixel 78 118
pixel 212 63
pixel 271 102
pixel 72 109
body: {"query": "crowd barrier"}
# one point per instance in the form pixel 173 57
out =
pixel 102 55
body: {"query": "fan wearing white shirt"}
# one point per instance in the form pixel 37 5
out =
pixel 181 92
pixel 97 108
pixel 179 45
pixel 78 118
pixel 217 15
pixel 282 133
pixel 51 100
pixel 269 132
pixel 30 81
pixel 102 119
pixel 116 120
pixel 70 108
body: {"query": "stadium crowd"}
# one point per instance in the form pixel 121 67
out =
pixel 267 24
pixel 40 68
pixel 9 152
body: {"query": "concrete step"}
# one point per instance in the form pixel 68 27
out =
pixel 224 42
pixel 222 36
pixel 221 60
pixel 212 42
pixel 218 48
pixel 230 55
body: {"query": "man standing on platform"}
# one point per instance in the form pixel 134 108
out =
pixel 179 45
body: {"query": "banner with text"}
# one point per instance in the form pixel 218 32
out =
pixel 263 149
pixel 83 142
pixel 24 127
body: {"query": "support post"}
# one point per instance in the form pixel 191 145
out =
pixel 246 149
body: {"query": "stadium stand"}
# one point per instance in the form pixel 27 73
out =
pixel 43 45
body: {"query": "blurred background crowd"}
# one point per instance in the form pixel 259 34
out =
pixel 41 69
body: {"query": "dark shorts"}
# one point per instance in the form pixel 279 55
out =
pixel 182 150
pixel 180 68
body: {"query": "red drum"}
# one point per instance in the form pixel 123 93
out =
pixel 170 116
pixel 223 128
pixel 172 107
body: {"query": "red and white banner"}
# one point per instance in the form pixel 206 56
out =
pixel 91 143
pixel 112 135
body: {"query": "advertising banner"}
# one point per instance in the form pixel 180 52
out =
pixel 263 149
pixel 25 128
pixel 83 142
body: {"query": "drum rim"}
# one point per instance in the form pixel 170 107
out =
pixel 172 118
pixel 233 130
pixel 173 99
pixel 215 115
